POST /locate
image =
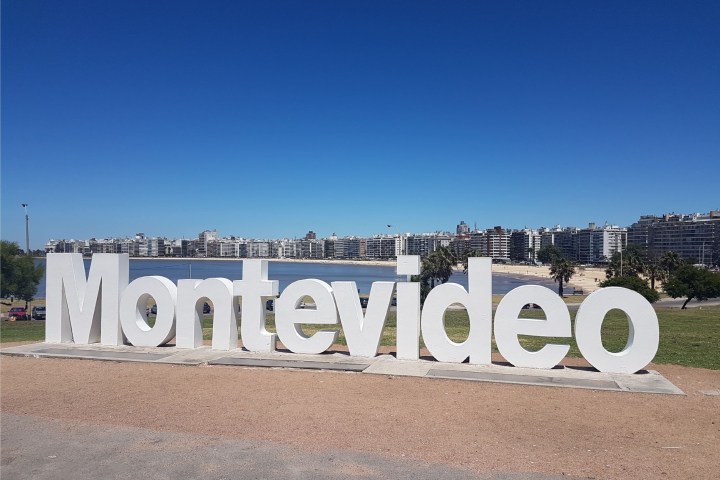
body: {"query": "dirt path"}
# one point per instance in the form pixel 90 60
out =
pixel 476 426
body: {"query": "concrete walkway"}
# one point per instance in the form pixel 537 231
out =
pixel 568 377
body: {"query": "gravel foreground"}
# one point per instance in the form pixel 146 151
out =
pixel 65 418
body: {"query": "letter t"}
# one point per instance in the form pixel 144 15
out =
pixel 252 288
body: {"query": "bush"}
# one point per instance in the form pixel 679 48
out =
pixel 633 283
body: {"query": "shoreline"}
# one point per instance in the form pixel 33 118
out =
pixel 377 263
pixel 586 279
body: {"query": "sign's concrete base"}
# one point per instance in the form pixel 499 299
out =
pixel 572 377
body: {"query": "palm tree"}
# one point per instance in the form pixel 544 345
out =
pixel 448 255
pixel 654 271
pixel 438 266
pixel 671 261
pixel 633 259
pixel 470 252
pixel 626 263
pixel 561 271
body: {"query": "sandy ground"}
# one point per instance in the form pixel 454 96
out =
pixel 480 427
pixel 585 278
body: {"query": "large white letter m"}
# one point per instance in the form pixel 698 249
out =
pixel 85 311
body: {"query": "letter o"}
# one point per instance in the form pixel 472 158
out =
pixel 643 339
pixel 132 311
pixel 508 325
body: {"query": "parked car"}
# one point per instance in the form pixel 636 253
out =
pixel 363 302
pixel 153 309
pixel 270 305
pixel 38 313
pixel 206 308
pixel 19 313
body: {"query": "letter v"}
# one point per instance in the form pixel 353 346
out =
pixel 363 332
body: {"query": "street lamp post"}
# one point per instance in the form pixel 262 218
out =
pixel 27 230
pixel 620 250
pixel 27 248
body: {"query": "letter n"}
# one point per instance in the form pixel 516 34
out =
pixel 84 310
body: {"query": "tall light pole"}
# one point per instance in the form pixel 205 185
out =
pixel 27 230
pixel 27 249
pixel 621 261
pixel 620 249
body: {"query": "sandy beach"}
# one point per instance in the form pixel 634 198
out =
pixel 585 278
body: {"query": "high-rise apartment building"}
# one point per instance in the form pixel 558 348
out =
pixel 498 241
pixel 478 242
pixel 460 244
pixel 347 247
pixel 383 247
pixel 203 239
pixel 694 237
pixel 493 242
pixel 462 228
pixel 563 238
pixel 524 245
pixel 598 244
pixel 425 243
pixel 188 248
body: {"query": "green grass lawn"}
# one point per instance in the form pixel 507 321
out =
pixel 687 337
pixel 22 331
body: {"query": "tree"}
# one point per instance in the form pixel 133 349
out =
pixel 549 253
pixel 654 271
pixel 561 271
pixel 671 261
pixel 8 251
pixel 693 282
pixel 438 266
pixel 448 255
pixel 19 276
pixel 633 283
pixel 627 263
pixel 424 287
pixel 470 252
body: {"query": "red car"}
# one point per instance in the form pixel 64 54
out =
pixel 18 312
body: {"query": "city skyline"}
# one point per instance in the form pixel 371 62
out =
pixel 388 232
pixel 271 119
pixel 693 237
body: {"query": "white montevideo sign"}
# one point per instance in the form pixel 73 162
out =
pixel 105 307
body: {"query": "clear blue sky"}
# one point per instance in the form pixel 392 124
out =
pixel 269 119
